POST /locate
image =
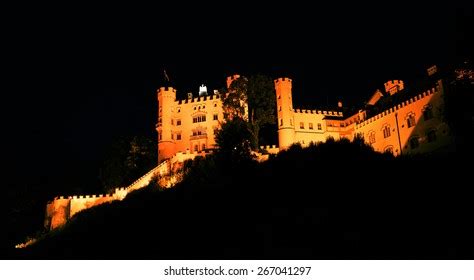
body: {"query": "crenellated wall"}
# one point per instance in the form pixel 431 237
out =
pixel 61 209
pixel 404 134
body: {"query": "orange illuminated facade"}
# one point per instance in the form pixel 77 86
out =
pixel 188 125
pixel 393 120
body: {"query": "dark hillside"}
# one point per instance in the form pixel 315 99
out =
pixel 337 200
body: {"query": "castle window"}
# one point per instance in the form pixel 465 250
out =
pixel 215 117
pixel 279 96
pixel 301 125
pixel 427 113
pixel 204 107
pixel 178 122
pixel 372 137
pixel 414 143
pixel 388 149
pixel 411 120
pixel 195 108
pixel 178 136
pixel 386 131
pixel 172 136
pixel 281 122
pixel 319 127
pixel 172 122
pixel 311 126
pixel 431 136
pixel 159 136
pixel 199 119
pixel 203 146
pixel 279 108
pixel 196 147
pixel 215 104
pixel 179 110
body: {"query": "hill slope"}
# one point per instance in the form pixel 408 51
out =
pixel 337 200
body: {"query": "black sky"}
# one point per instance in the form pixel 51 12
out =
pixel 79 77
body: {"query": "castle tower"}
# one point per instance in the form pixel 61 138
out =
pixel 166 145
pixel 286 122
pixel 394 86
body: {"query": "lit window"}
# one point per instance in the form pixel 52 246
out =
pixel 301 125
pixel 320 127
pixel 311 126
pixel 372 137
pixel 428 113
pixel 199 119
pixel 414 143
pixel 411 120
pixel 386 131
pixel 431 136
pixel 215 117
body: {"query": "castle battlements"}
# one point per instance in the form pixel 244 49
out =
pixel 399 106
pixel 171 89
pixel 198 99
pixel 61 208
pixel 319 112
pixel 279 80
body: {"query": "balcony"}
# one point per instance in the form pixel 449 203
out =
pixel 199 136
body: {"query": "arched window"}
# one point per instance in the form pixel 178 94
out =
pixel 410 119
pixel 372 137
pixel 388 149
pixel 386 131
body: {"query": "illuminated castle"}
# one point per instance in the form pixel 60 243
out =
pixel 395 120
pixel 392 121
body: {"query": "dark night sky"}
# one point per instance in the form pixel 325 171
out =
pixel 79 77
